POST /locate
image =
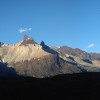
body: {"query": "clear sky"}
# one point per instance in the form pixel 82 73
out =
pixel 75 23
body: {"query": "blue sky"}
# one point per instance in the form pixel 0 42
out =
pixel 75 23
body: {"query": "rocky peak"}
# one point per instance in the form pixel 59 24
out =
pixel 27 40
pixel 42 43
pixel 48 49
pixel 26 37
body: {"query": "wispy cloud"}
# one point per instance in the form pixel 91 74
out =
pixel 30 29
pixel 21 30
pixel 90 45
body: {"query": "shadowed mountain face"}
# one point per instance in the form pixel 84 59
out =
pixel 31 59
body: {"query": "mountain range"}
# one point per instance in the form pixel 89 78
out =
pixel 28 58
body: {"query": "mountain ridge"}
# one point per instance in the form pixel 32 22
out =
pixel 39 60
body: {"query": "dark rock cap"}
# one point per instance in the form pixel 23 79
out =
pixel 28 40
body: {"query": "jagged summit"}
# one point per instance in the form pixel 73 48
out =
pixel 27 40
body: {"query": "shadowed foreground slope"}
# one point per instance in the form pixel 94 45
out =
pixel 7 71
pixel 64 87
